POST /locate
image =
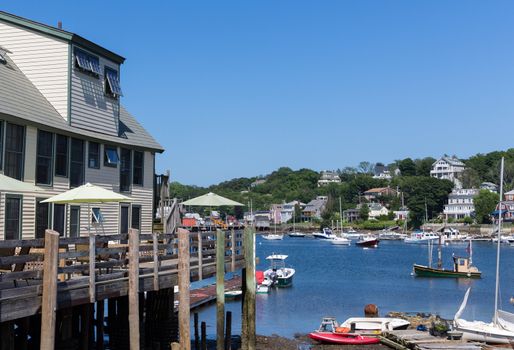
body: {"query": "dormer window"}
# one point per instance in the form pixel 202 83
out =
pixel 87 63
pixel 112 83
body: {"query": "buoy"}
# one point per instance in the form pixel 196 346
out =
pixel 371 310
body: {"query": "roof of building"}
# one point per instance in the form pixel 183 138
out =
pixel 510 192
pixel 379 190
pixel 314 205
pixel 450 160
pixel 60 34
pixel 375 206
pixel 21 99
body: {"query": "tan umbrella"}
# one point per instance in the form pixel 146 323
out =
pixel 212 200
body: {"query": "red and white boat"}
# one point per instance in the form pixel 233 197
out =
pixel 367 241
pixel 343 338
pixel 330 332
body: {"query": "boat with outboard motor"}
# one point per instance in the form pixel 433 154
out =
pixel 367 241
pixel 328 333
pixel 326 234
pixel 280 275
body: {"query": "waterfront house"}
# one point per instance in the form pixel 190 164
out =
pixel 282 213
pixel 448 168
pixel 508 206
pixel 460 203
pixel 315 208
pixel 351 215
pixel 401 214
pixel 62 125
pixel 376 210
pixel 262 219
pixel 376 193
pixel 328 177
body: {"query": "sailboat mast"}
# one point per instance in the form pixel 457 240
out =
pixel 500 214
pixel 439 255
pixel 341 214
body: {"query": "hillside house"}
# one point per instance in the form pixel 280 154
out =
pixel 377 193
pixel 328 177
pixel 460 203
pixel 62 125
pixel 376 210
pixel 315 208
pixel 448 168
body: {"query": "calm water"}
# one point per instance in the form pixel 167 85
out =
pixel 339 281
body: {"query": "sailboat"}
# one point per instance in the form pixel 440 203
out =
pixel 294 233
pixel 501 330
pixel 274 236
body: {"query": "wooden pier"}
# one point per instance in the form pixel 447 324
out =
pixel 417 340
pixel 207 294
pixel 59 289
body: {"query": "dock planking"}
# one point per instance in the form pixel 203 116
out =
pixel 207 294
pixel 417 340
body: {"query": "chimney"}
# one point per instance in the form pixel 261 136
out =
pixel 59 25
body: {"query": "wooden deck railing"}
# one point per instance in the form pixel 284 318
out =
pixel 98 267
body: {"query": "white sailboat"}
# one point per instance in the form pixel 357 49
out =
pixel 501 330
pixel 294 233
pixel 274 236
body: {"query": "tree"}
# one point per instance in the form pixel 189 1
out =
pixel 485 203
pixel 364 212
pixel 366 167
pixel 407 167
pixel 423 166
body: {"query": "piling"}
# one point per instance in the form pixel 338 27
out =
pixel 49 298
pixel 228 331
pixel 204 336
pixel 133 293
pixel 183 286
pixel 220 289
pixel 197 337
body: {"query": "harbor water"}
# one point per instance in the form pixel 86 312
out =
pixel 339 281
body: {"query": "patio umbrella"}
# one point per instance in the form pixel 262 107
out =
pixel 88 193
pixel 212 200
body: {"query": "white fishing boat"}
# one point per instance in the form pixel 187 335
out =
pixel 501 330
pixel 278 273
pixel 421 237
pixel 273 237
pixel 452 235
pixel 326 234
pixel 388 235
pixel 375 324
pixel 340 241
pixel 351 234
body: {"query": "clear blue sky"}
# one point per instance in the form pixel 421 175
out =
pixel 240 88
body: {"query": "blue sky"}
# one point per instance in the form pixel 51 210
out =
pixel 240 88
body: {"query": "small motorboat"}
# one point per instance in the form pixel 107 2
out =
pixel 273 237
pixel 326 333
pixel 374 324
pixel 280 275
pixel 326 234
pixel 296 234
pixel 367 241
pixel 233 294
pixel 340 241
pixel 343 338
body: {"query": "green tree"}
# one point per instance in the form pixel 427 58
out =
pixel 423 166
pixel 407 167
pixel 485 203
pixel 364 212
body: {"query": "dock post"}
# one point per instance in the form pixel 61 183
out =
pixel 248 323
pixel 155 261
pixel 49 297
pixel 233 250
pixel 100 311
pixel 197 336
pixel 183 289
pixel 220 289
pixel 92 262
pixel 228 332
pixel 200 256
pixel 133 254
pixel 204 336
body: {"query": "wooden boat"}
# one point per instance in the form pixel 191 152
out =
pixel 367 241
pixel 343 338
pixel 462 267
pixel 278 273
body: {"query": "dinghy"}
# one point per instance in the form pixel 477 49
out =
pixel 343 338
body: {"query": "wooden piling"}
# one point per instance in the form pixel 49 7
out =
pixel 183 287
pixel 49 297
pixel 85 323
pixel 7 335
pixel 204 336
pixel 92 267
pixel 220 289
pixel 233 250
pixel 200 256
pixel 197 336
pixel 248 323
pixel 155 252
pixel 228 332
pixel 133 291
pixel 100 307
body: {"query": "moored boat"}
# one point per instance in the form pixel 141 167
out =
pixel 340 241
pixel 344 338
pixel 367 241
pixel 374 324
pixel 421 238
pixel 233 294
pixel 273 237
pixel 296 234
pixel 278 273
pixel 326 234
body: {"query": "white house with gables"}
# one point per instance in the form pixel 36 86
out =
pixel 448 168
pixel 62 125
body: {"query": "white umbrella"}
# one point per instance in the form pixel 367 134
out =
pixel 212 200
pixel 9 184
pixel 88 193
